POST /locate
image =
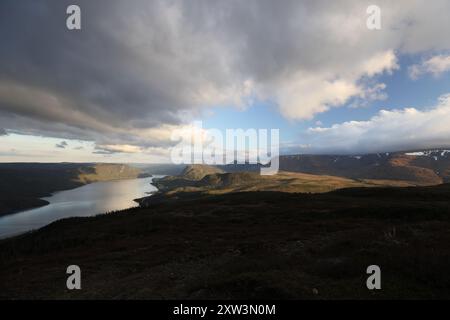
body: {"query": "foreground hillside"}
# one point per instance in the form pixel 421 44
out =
pixel 244 245
pixel 23 184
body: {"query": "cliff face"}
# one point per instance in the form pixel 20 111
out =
pixel 107 172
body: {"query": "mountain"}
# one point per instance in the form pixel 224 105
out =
pixel 424 167
pixel 198 171
pixel 315 173
pixel 23 184
pixel 427 167
pixel 240 167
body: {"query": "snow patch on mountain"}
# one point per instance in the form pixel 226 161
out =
pixel 429 153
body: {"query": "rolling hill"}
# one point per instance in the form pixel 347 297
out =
pixel 196 179
pixel 198 171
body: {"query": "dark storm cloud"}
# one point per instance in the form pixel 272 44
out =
pixel 95 80
pixel 104 150
pixel 138 65
pixel 61 145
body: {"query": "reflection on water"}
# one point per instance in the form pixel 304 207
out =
pixel 84 201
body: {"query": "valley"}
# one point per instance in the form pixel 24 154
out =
pixel 226 232
pixel 23 184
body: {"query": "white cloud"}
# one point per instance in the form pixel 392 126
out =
pixel 379 63
pixel 393 130
pixel 304 94
pixel 302 97
pixel 435 65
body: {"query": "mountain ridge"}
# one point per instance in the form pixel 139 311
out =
pixel 420 167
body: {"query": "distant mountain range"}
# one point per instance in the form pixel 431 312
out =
pixel 416 167
pixel 426 167
pixel 314 173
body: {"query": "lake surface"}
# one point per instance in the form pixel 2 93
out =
pixel 88 200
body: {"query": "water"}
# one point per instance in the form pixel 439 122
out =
pixel 88 200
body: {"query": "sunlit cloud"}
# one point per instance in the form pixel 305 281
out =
pixel 389 130
pixel 435 66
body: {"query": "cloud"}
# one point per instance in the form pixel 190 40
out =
pixel 3 132
pixel 61 145
pixel 138 70
pixel 393 130
pixel 435 65
pixel 110 149
pixel 304 94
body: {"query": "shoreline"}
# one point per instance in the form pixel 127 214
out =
pixel 27 220
pixel 38 203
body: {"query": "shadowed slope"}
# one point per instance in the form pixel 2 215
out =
pixel 244 245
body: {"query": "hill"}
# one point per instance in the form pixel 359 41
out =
pixel 260 245
pixel 198 171
pixel 196 179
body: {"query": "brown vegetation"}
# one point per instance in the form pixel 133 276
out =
pixel 244 245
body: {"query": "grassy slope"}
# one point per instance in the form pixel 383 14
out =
pixel 244 245
pixel 198 171
pixel 219 183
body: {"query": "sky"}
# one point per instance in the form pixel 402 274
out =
pixel 138 71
